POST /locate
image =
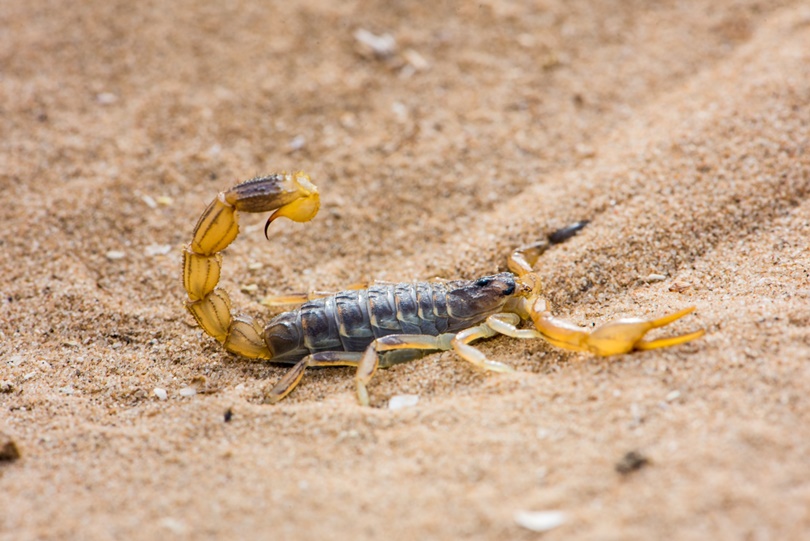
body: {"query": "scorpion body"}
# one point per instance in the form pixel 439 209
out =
pixel 383 324
pixel 352 320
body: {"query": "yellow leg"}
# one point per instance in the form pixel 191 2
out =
pixel 302 297
pixel 614 338
pixel 461 345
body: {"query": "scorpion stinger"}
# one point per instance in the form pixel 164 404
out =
pixel 385 323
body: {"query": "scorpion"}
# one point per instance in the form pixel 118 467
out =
pixel 384 324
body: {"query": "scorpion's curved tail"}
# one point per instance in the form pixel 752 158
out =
pixel 289 195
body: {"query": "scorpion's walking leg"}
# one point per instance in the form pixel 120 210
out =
pixel 614 338
pixel 461 345
pixel 371 357
pixel 366 362
pixel 300 297
pixel 292 378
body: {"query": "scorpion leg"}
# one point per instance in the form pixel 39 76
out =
pixel 371 357
pixel 290 380
pixel 366 362
pixel 614 338
pixel 461 345
pixel 300 297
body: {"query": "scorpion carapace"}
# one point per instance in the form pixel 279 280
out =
pixel 383 324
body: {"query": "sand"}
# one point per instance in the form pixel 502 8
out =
pixel 680 129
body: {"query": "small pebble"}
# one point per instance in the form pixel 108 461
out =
pixel 113 255
pixel 383 45
pixel 297 143
pixel 415 59
pixel 8 449
pixel 680 287
pixel 403 401
pixel 673 395
pixel 164 200
pixel 655 278
pixel 161 393
pixel 175 526
pixel 188 391
pixel 15 360
pixel 631 462
pixel 106 98
pixel 540 521
pixel 149 200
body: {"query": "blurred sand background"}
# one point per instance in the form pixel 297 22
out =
pixel 680 129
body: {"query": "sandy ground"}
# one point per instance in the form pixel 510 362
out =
pixel 680 129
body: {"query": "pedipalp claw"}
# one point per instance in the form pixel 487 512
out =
pixel 613 338
pixel 626 335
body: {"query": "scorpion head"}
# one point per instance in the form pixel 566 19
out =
pixel 487 295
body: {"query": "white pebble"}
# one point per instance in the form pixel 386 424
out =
pixel 655 278
pixel 673 395
pixel 150 201
pixel 161 393
pixel 403 401
pixel 383 45
pixel 297 143
pixel 188 391
pixel 112 255
pixel 106 98
pixel 416 60
pixel 540 521
pixel 15 360
pixel 175 526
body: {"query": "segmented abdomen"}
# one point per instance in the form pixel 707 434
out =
pixel 351 320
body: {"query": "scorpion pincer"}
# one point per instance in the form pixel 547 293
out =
pixel 384 324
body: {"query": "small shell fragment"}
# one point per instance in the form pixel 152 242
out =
pixel 161 394
pixel 540 521
pixel 654 277
pixel 403 401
